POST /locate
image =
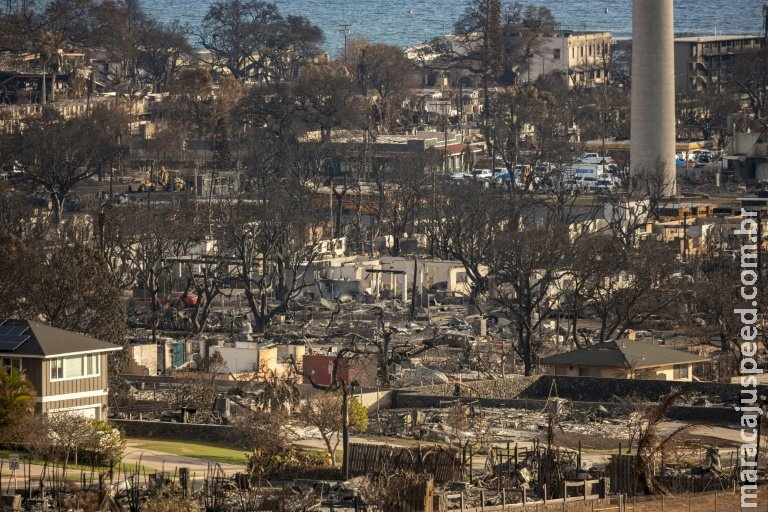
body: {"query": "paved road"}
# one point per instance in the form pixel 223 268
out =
pixel 135 454
pixel 161 461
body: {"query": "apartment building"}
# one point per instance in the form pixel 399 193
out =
pixel 704 60
pixel 584 57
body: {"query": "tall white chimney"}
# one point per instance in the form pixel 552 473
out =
pixel 652 154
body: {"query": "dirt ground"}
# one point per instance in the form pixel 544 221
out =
pixel 704 503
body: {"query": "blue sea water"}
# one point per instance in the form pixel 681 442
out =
pixel 407 22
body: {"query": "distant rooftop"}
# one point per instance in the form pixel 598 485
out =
pixel 713 39
pixel 623 354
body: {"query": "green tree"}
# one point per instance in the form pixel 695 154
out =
pixel 16 400
pixel 323 411
pixel 71 434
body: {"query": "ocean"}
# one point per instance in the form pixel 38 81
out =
pixel 407 22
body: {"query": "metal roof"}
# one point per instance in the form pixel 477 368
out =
pixel 31 339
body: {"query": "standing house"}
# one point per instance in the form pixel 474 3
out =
pixel 67 370
pixel 624 359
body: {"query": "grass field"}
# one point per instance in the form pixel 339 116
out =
pixel 25 459
pixel 204 451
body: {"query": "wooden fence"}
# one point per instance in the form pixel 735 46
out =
pixel 443 464
pixel 573 490
pixel 622 474
pixel 679 484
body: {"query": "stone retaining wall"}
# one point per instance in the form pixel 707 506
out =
pixel 706 415
pixel 509 387
pixel 531 392
pixel 178 431
pixel 594 389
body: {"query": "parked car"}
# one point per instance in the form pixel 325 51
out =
pixel 604 185
pixel 460 176
pixel 571 185
pixel 482 174
pixel 498 171
pixel 592 158
pixel 589 183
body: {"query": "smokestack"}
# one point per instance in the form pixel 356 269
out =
pixel 652 153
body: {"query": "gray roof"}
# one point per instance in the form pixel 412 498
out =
pixel 46 341
pixel 714 39
pixel 623 354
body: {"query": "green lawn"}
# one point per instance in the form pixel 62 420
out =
pixel 205 451
pixel 73 470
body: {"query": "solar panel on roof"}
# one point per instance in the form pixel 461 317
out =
pixel 11 343
pixel 13 329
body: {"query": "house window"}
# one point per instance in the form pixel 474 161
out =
pixel 92 365
pixel 589 372
pixel 680 371
pixel 57 369
pixel 11 362
pixel 557 54
pixel 461 277
pixel 76 367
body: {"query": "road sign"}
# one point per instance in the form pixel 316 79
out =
pixel 13 460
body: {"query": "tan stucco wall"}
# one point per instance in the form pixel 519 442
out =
pixel 661 373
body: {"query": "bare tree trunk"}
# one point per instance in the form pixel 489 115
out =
pixel 345 432
pixel 202 320
pixel 58 207
pixel 331 449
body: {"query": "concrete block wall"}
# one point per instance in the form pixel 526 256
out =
pixel 509 387
pixel 593 389
pixel 177 431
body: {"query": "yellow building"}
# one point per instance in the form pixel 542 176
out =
pixel 624 359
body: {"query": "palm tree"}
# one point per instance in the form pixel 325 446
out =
pixel 653 443
pixel 50 45
pixel 16 396
pixel 280 393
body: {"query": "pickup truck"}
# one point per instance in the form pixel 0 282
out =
pixel 482 174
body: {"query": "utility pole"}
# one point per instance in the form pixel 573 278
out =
pixel 345 30
pixel 685 235
pixel 446 106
